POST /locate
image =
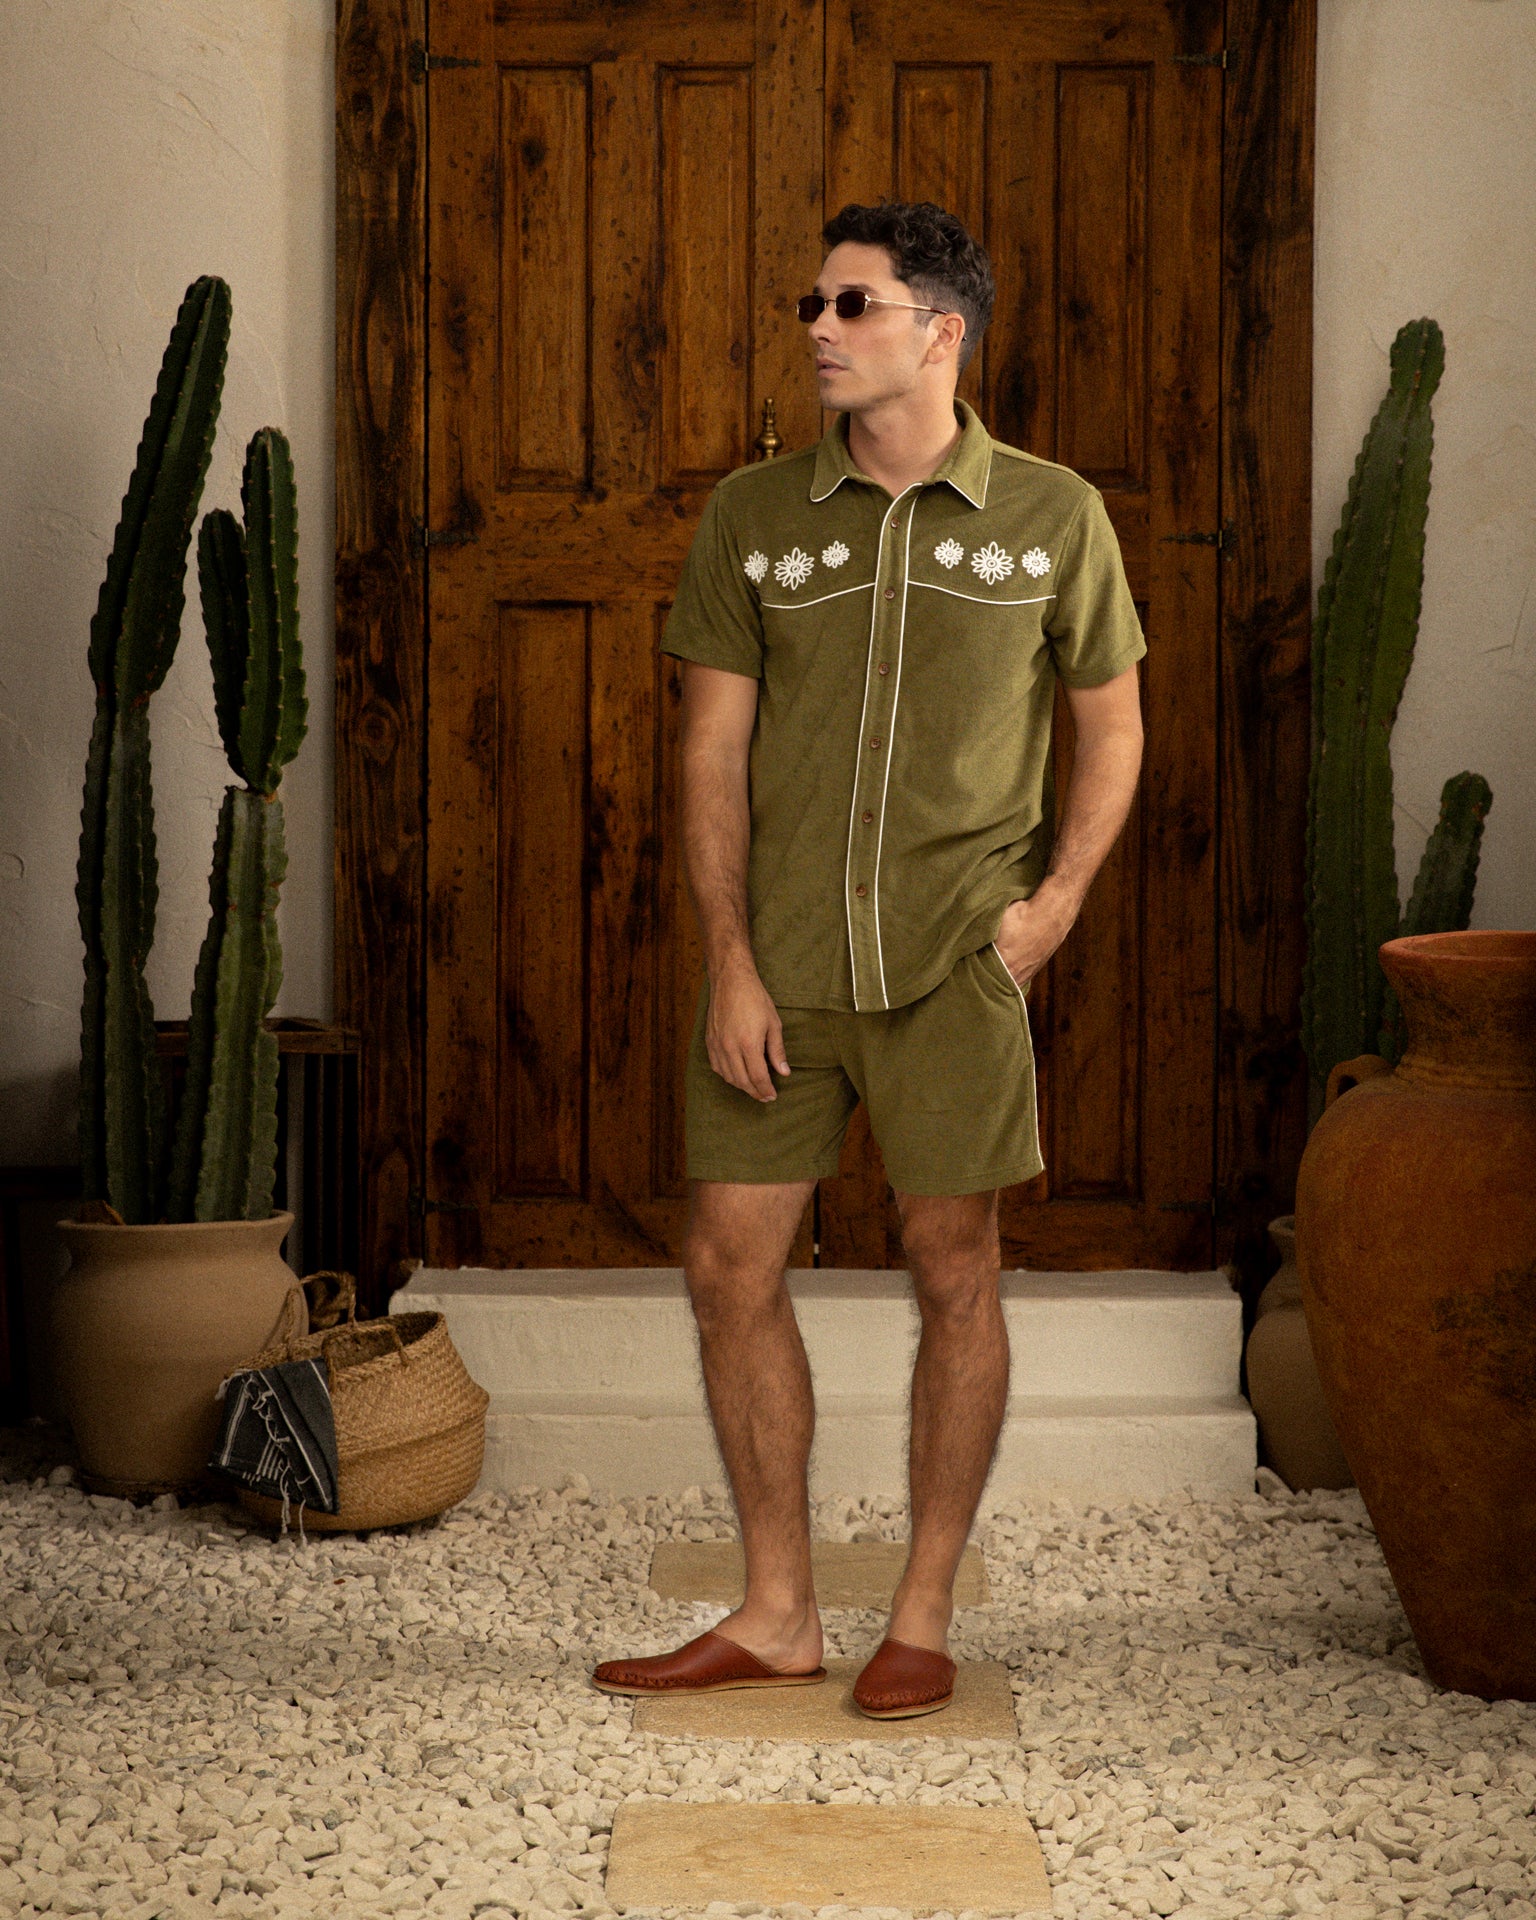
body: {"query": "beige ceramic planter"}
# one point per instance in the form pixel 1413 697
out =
pixel 145 1324
pixel 1295 1426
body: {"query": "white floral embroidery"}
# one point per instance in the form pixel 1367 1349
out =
pixel 835 555
pixel 949 553
pixel 1036 562
pixel 794 569
pixel 992 564
pixel 755 566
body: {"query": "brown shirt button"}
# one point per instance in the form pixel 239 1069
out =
pixel 890 593
pixel 884 667
pixel 866 816
pixel 876 741
pixel 861 891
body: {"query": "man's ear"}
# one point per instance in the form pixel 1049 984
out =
pixel 947 339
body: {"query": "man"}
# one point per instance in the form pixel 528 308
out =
pixel 873 630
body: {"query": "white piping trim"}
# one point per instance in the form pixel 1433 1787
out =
pixel 1011 981
pixel 874 607
pixel 789 606
pixel 1034 1082
pixel 980 602
pixel 901 643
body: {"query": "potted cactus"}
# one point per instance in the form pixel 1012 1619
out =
pixel 176 1269
pixel 1362 647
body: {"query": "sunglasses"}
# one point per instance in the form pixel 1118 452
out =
pixel 850 304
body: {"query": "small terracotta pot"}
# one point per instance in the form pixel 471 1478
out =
pixel 1416 1243
pixel 1295 1426
pixel 144 1325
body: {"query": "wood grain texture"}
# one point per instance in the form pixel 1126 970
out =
pixel 1103 133
pixel 626 165
pixel 544 807
pixel 379 876
pixel 1265 614
pixel 787 212
pixel 704 117
pixel 543 373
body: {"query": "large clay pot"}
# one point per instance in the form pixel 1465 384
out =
pixel 1296 1433
pixel 145 1324
pixel 1416 1243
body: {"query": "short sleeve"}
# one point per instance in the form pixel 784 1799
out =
pixel 715 618
pixel 1092 626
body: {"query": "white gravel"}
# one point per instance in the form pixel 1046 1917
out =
pixel 1222 1711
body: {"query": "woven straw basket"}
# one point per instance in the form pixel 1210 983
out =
pixel 410 1422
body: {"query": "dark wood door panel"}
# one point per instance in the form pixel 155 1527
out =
pixel 624 206
pixel 408 374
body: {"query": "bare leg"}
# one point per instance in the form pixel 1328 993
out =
pixel 758 1383
pixel 959 1395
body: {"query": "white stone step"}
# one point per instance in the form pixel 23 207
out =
pixel 1123 1384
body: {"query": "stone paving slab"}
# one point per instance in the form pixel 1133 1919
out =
pixel 982 1709
pixel 924 1859
pixel 848 1573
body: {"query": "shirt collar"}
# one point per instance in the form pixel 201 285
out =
pixel 967 467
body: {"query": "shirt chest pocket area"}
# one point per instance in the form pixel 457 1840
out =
pixel 968 664
pixel 815 652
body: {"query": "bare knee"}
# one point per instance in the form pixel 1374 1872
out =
pixel 952 1252
pixel 735 1246
pixel 726 1284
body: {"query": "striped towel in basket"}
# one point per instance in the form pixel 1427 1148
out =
pixel 279 1434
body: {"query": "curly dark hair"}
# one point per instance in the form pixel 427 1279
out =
pixel 931 252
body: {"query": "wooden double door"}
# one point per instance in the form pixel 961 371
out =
pixel 622 204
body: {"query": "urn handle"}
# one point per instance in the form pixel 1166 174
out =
pixel 1348 1074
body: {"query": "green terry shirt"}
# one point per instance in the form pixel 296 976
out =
pixel 907 651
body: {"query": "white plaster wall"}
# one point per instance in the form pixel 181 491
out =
pixel 142 143
pixel 1426 204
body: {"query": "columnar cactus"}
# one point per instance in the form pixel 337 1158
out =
pixel 225 1154
pixel 1441 901
pixel 1362 647
pixel 133 640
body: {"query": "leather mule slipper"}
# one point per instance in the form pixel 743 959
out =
pixel 708 1664
pixel 902 1680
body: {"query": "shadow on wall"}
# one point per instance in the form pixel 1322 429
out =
pixel 44 1107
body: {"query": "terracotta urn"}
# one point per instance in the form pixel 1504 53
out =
pixel 1416 1245
pixel 145 1324
pixel 1295 1427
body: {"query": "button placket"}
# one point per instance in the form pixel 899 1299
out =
pixel 881 686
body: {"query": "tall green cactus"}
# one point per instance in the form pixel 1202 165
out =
pixel 1362 647
pixel 134 632
pixel 225 1154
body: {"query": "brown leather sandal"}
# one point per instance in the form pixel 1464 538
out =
pixel 708 1664
pixel 901 1680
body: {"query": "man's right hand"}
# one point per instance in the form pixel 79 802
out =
pixel 743 1032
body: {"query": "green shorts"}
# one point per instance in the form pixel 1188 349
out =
pixel 949 1083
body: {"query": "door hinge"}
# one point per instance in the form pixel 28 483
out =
pixel 417 1203
pixel 459 536
pixel 1221 538
pixel 419 63
pixel 1201 59
pixel 1188 1206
